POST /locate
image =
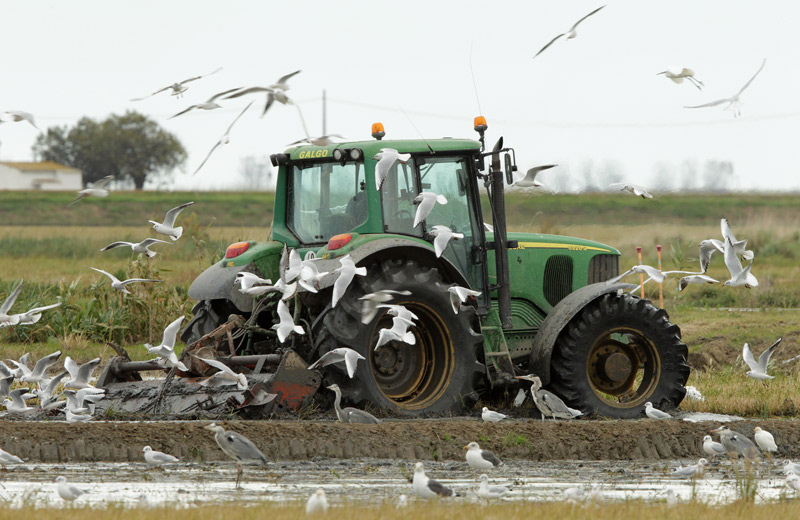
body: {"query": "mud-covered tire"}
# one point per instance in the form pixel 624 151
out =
pixel 616 354
pixel 439 373
pixel 207 316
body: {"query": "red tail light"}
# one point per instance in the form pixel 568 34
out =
pixel 236 249
pixel 338 241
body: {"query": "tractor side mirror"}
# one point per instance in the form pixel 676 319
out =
pixel 510 169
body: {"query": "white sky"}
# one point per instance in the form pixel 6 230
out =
pixel 592 100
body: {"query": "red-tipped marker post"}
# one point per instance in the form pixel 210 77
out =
pixel 660 284
pixel 641 276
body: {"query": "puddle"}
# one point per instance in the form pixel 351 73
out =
pixel 348 481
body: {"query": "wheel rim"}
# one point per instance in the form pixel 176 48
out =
pixel 415 376
pixel 623 367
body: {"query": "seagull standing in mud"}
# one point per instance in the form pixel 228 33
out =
pixel 692 471
pixel 654 413
pixel 481 459
pixel 67 491
pixel 572 33
pixel 758 370
pixel 157 458
pixel 317 502
pixel 486 492
pixel 426 487
pixel 386 159
pixel 337 355
pixel 734 103
pixel 492 416
pixel 712 447
pixel 7 458
pixel 168 226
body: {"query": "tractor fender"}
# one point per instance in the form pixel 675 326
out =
pixel 216 283
pixel 554 323
pixel 391 248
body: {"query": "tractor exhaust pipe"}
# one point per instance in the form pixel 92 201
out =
pixel 500 239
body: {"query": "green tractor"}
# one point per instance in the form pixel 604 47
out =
pixel 544 305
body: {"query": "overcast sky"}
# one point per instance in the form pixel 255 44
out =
pixel 593 103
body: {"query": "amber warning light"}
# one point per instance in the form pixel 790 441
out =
pixel 480 124
pixel 377 131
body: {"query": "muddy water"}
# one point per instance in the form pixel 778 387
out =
pixel 366 480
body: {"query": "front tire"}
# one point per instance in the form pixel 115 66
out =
pixel 616 354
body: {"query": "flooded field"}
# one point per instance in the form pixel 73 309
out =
pixel 371 481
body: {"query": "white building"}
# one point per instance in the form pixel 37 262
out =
pixel 46 175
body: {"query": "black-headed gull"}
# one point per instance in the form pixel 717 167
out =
pixel 426 200
pixel 481 459
pixel 67 491
pixel 337 355
pixel 177 88
pixel 225 139
pixel 654 413
pixel 209 104
pixel 693 470
pixel 79 374
pixel 310 276
pixel 120 284
pixel 398 332
pixel 286 325
pixel 158 458
pixel 293 267
pixel 758 370
pixel 247 280
pixel 15 116
pixel 31 316
pixel 386 159
pixel 275 92
pixel 442 236
pixel 47 393
pixel 168 226
pixel 224 375
pixel 791 467
pixel 98 189
pixel 82 402
pixel 459 295
pixel 739 246
pixel 166 351
pixel 734 103
pixel 712 447
pixel 322 140
pixel 492 416
pixel 529 181
pixel 371 301
pixel 317 502
pixel 38 374
pixel 7 319
pixel 398 311
pixel 425 487
pixel 139 248
pixel 707 249
pixel 739 276
pixel 572 33
pixel 631 188
pixel 347 271
pixel 16 401
pixel 238 447
pixel 678 74
pixel 486 492
pixel 695 279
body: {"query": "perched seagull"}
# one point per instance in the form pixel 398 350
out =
pixel 481 459
pixel 695 279
pixel 398 332
pixel 793 481
pixel 168 226
pixel 693 471
pixel 286 325
pixel 16 403
pixel 79 374
pixel 707 249
pixel 386 159
pixel 317 502
pixel 120 285
pixel 759 370
pixel 632 188
pixel 7 458
pixel 347 271
pixel 7 319
pixel 426 487
pixel 38 374
pixel 225 139
pixel 249 280
pixel 739 275
pixel 459 295
pixel 14 116
pixel 371 301
pixel 157 458
pixel 275 92
pixel 694 393
pixel 487 492
pixel 736 443
pixel 739 246
pixel 712 447
pixel 177 88
pixel 492 416
pixel 67 491
pixel 734 102
pixel 572 33
pixel 166 350
pixel 791 467
pixel 337 355
pixel 548 403
pixel 529 181
pixel 426 200
pixel 98 189
pixel 224 375
pixel 138 248
pixel 654 413
pixel 678 74
pixel 443 235
pixel 350 415
pixel 238 447
pixel 765 441
pixel 209 104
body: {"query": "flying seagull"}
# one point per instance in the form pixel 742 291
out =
pixel 14 116
pixel 398 332
pixel 759 370
pixel 7 319
pixel 370 302
pixel 120 285
pixel 142 247
pixel 322 140
pixel 386 159
pixel 529 181
pixel 177 88
pixel 426 200
pixel 79 374
pixel 286 325
pixel 442 236
pixel 734 102
pixel 225 139
pixel 337 355
pixel 168 226
pixel 739 246
pixel 459 295
pixel 695 279
pixel 275 92
pixel 209 104
pixel 224 375
pixel 707 249
pixel 426 487
pixel 39 372
pixel 98 189
pixel 166 350
pixel 739 275
pixel 678 74
pixel 481 459
pixel 350 415
pixel 572 33
pixel 347 271
pixel 632 188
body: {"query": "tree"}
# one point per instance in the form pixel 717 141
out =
pixel 256 173
pixel 130 147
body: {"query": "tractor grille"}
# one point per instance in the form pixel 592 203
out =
pixel 603 267
pixel 557 278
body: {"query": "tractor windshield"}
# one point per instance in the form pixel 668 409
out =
pixel 326 199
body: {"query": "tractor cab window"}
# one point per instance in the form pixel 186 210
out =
pixel 326 199
pixel 397 193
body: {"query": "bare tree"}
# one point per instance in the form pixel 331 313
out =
pixel 256 173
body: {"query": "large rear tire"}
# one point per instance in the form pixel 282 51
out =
pixel 438 373
pixel 616 354
pixel 207 316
